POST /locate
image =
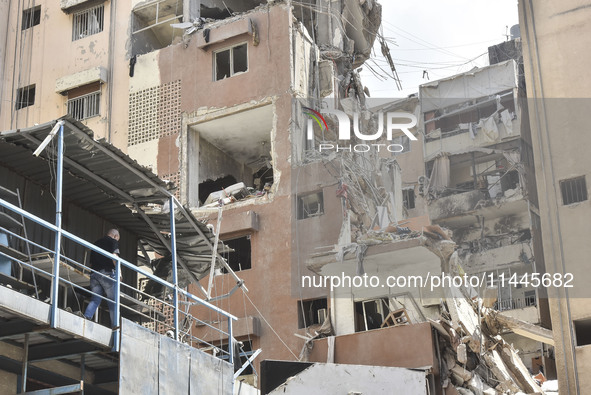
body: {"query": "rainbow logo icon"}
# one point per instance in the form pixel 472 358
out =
pixel 316 116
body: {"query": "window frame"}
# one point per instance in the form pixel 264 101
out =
pixel 76 32
pixel 29 16
pixel 312 306
pixel 19 104
pixel 85 105
pixel 300 205
pixel 238 267
pixel 566 185
pixel 406 201
pixel 231 51
pixel 405 142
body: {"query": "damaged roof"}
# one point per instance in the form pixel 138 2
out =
pixel 102 179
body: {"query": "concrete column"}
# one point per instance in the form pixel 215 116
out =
pixel 191 10
pixel 4 11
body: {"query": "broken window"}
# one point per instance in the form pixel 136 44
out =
pixel 408 196
pixel 231 61
pixel 263 177
pixel 25 97
pixel 210 186
pixel 240 258
pixel 583 331
pixel 31 17
pixel 245 349
pixel 84 106
pixel 404 141
pixel 88 22
pixel 510 180
pixel 311 205
pixel 370 314
pixel 530 298
pixel 573 190
pixel 154 25
pixel 312 312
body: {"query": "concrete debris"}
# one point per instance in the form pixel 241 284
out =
pixel 319 331
pixel 550 386
pixel 475 359
pixel 497 321
pixel 234 193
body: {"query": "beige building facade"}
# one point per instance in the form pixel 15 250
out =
pixel 555 45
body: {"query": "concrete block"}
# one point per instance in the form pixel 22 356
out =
pixel 81 78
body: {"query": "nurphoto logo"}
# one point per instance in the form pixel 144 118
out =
pixel 394 121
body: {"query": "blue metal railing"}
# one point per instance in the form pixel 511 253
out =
pixel 60 233
pixel 192 299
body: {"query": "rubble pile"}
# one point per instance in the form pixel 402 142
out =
pixel 474 357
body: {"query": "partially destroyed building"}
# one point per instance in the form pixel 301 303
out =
pixel 220 100
pixel 400 240
pixel 202 93
pixel 476 183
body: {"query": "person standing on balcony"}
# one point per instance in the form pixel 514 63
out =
pixel 103 282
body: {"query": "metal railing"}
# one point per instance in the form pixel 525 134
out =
pixel 171 288
pixel 88 22
pixel 59 259
pixel 518 303
pixel 85 106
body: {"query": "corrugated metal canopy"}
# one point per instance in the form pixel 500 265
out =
pixel 102 179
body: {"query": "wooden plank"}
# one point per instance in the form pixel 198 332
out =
pixel 67 271
pixel 396 318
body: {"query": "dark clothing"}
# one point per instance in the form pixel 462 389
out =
pixel 100 262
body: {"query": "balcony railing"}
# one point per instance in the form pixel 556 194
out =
pixel 183 321
pixel 86 106
pixel 513 304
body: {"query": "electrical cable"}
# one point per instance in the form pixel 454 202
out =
pixel 267 322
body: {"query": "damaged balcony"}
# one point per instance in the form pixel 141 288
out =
pixel 389 346
pixel 159 23
pixel 481 183
pixel 475 109
pixel 342 26
pixel 458 343
pixel 357 306
pixel 231 156
pixel 509 268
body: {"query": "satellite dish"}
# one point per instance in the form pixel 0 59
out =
pixel 183 25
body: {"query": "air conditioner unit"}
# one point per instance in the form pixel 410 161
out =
pixel 321 315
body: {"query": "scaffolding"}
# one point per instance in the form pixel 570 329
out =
pixel 29 322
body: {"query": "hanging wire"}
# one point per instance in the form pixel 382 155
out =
pixel 267 322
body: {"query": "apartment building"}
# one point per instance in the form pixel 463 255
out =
pixel 555 37
pixel 204 94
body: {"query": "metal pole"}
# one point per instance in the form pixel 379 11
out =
pixel 175 296
pixel 25 365
pixel 231 349
pixel 58 224
pixel 214 253
pixel 82 371
pixel 117 313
